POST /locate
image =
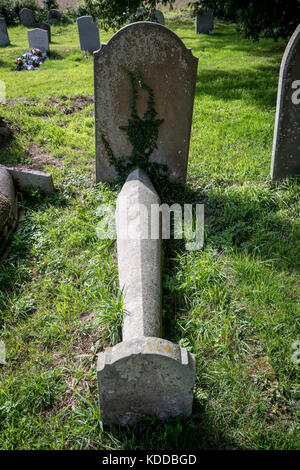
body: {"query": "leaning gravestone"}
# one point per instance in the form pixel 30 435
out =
pixel 4 39
pixel 286 143
pixel 26 17
pixel 204 22
pixel 38 38
pixel 53 16
pixel 166 66
pixel 88 34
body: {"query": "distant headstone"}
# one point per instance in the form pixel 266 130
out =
pixel 4 39
pixel 159 17
pixel 46 27
pixel 166 66
pixel 26 17
pixel 54 16
pixel 38 38
pixel 286 143
pixel 88 34
pixel 204 22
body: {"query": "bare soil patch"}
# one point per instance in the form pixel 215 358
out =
pixel 78 103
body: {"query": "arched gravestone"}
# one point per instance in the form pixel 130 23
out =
pixel 4 39
pixel 46 27
pixel 286 143
pixel 166 66
pixel 159 17
pixel 38 38
pixel 204 22
pixel 26 17
pixel 53 16
pixel 88 34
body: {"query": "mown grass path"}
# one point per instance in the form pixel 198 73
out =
pixel 234 304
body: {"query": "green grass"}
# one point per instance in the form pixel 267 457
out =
pixel 233 304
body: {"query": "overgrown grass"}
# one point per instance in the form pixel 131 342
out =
pixel 233 304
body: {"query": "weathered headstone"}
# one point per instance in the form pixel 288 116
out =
pixel 38 38
pixel 286 143
pixel 159 17
pixel 26 17
pixel 204 22
pixel 166 66
pixel 53 16
pixel 4 39
pixel 143 374
pixel 46 27
pixel 8 206
pixel 88 34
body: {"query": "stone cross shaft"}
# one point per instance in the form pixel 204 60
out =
pixel 144 374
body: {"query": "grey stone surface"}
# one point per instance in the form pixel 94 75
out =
pixel 4 39
pixel 53 16
pixel 38 38
pixel 8 206
pixel 139 258
pixel 170 69
pixel 144 374
pixel 204 22
pixel 38 179
pixel 148 376
pixel 286 143
pixel 159 17
pixel 46 27
pixel 26 17
pixel 88 34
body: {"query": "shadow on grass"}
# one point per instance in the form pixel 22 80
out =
pixel 259 86
pixel 55 55
pixel 197 432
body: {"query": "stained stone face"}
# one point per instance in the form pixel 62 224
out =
pixel 53 16
pixel 38 38
pixel 26 17
pixel 166 66
pixel 88 34
pixel 204 22
pixel 286 143
pixel 4 39
pixel 149 376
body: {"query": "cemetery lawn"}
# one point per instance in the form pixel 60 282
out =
pixel 234 303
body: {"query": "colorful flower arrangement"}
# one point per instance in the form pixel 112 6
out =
pixel 31 60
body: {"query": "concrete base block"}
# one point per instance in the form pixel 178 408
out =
pixel 38 179
pixel 145 376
